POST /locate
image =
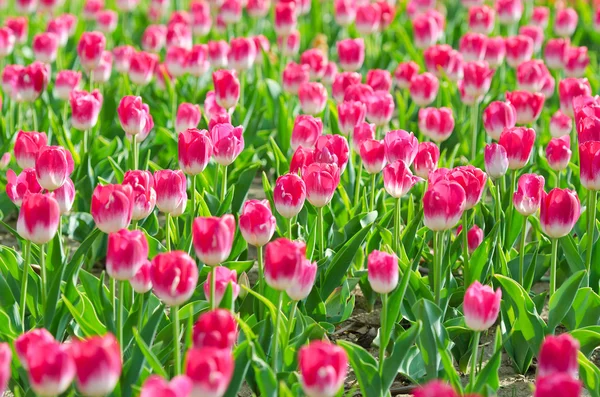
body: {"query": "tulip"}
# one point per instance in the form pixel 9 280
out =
pixel 217 329
pixel 122 56
pixel 560 385
pixel 571 88
pixel 472 46
pixel 5 360
pixel 306 131
pixel 368 18
pixel 258 8
pixel 481 19
pixel 51 369
pixel 443 205
pixel 509 11
pixel 231 11
pixel 45 47
pixel 217 53
pixel 535 33
pixel 195 150
pixel 10 75
pixel 66 82
pixel 426 160
pixel 155 386
pixel 558 153
pixel 442 59
pixel 303 282
pixel 90 48
pixel 257 223
pixel 518 142
pixel 424 88
pixel 380 108
pixel 472 180
pixel 285 18
pixel 98 364
pixel 362 132
pixel 65 196
pixel 106 21
pixel 294 75
pixel 171 196
pixel 474 237
pixel 28 342
pixel 112 207
pixel 242 54
pixel 18 187
pixel 528 105
pixel 565 22
pixel 350 114
pixel 530 75
pixel 404 74
pixel 28 146
pixel 85 108
pixel 211 108
pixel 126 253
pixel 496 160
pixel 589 155
pixel 38 218
pixel 282 259
pixel 227 88
pixel 477 79
pixel 555 53
pixel 224 277
pixel 301 159
pixel 210 370
pixel 213 238
pixel 558 355
pixel 135 119
pixel 321 180
pixel 401 145
pixel 289 45
pixel 316 61
pixel 577 60
pixel 528 196
pixel 398 179
pixel 174 277
pixel 344 12
pixel 228 143
pixel 142 67
pixel 176 60
pixel 356 92
pixel 495 51
pixel 436 124
pixel 481 307
pixel 141 282
pixel 313 98
pixel 497 117
pixel 372 154
pixel 426 31
pixel 7 42
pixel 53 166
pixel 435 388
pixel 197 60
pixel 144 195
pixel 539 16
pixel 188 116
pixel 332 149
pixel 323 367
pixel 289 195
pixel 31 81
pixel 331 70
pixel 62 27
pixel 19 27
pixel 351 54
pixel 91 8
pixel 382 271
pixel 179 34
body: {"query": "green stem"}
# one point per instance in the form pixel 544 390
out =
pixel 193 193
pixel 121 308
pixel 396 242
pixel 24 279
pixel 373 183
pixel 553 267
pixel 224 184
pixel 320 232
pixel 113 297
pixel 167 231
pixel 498 209
pixel 509 211
pixel 437 263
pixel 134 145
pixel 290 229
pixel 213 288
pixel 292 320
pixel 261 280
pixel 176 344
pixel 474 116
pixel 44 279
pixel 591 204
pixel 357 182
pixel 465 243
pixel 276 332
pixel 174 106
pixel 86 138
pixel 383 337
pixel 474 360
pixel 522 253
pixel 140 301
pixel 558 179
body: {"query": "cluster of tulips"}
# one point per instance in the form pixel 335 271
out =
pixel 345 137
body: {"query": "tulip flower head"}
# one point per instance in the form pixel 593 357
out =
pixel 443 205
pixel 481 306
pixel 210 370
pixel 528 196
pixel 323 367
pixel 98 364
pixel 283 258
pixel 174 277
pixel 559 211
pixel 224 278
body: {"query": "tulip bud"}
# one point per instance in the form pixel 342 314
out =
pixel 31 81
pixel 242 53
pixel 7 42
pixel 171 195
pixel 401 145
pixel 589 156
pixel 345 12
pixel 18 187
pixel 559 385
pixel 294 75
pixel 436 124
pixel 197 63
pixel 443 205
pixel 509 11
pixel 358 92
pixel 472 46
pixel 179 35
pixel 90 48
pixel 98 364
pixel 539 16
pixel 174 277
pixel 210 370
pixel 28 343
pixel 372 154
pixel 382 271
pixel 528 105
pixel 283 258
pixel 341 82
pixel 106 21
pixel 53 167
pixel 535 33
pixel 518 142
pixel 19 27
pixel 531 74
pixel 398 179
pixel 529 194
pixel 497 117
pixel 481 19
pixel 424 88
pixel 368 17
pixel 321 179
pixel 474 237
pixel 289 45
pixel 112 207
pixel 577 60
pixel 565 22
pixel 435 388
pixel 472 180
pixel 231 11
pixel 176 60
pixel 304 280
pixel 188 116
pixel 286 19
pixel 141 282
pixel 66 82
pixel 195 149
pixel 426 31
pixel 404 73
pixel 481 306
pixel 289 195
pixel 144 195
pixel 217 53
pixel 257 223
pixel 558 153
pixel 350 114
pixel 323 367
pixel 426 159
pixel 518 50
pixel 85 108
pixel 380 108
pixel 228 143
pixel 141 68
pixel 258 8
pixel 213 238
pixel 227 88
pixel 224 277
pixel 351 54
pixel 313 98
pixel 558 355
pixel 28 145
pixel 45 47
pixel 51 369
pixel 559 211
pixel 217 328
pixel 123 55
pixel 496 160
pixel 495 51
pixel 126 253
pixel 38 218
pixel 154 386
pixel 306 131
pixel 443 60
pixel 301 159
pixel 570 88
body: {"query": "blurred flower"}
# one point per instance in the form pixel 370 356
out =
pixel 323 367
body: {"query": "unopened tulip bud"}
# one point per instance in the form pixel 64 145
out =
pixel 518 142
pixel 313 98
pixel 53 167
pixel 282 261
pixel 496 160
pixel 51 369
pixel 213 238
pixel 318 358
pixel 382 269
pixel 558 153
pixel 179 386
pixel 443 205
pixel 528 105
pixel 224 278
pixel 90 48
pixel 38 220
pixel 436 124
pixel 141 282
pixel 210 370
pixel 174 277
pixel 85 108
pixel 351 54
pixel 529 193
pixel 28 145
pixel 426 159
pixel 257 222
pixel 217 328
pixel 424 88
pixel 171 195
pixel 481 306
pixel 558 355
pixel 559 211
pixel 18 187
pixel 98 364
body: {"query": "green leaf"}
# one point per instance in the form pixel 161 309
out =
pixel 119 173
pixel 265 377
pixel 561 301
pixel 488 376
pixel 392 363
pixel 365 368
pixel 242 186
pixel 87 328
pixel 589 374
pixel 154 362
pixel 571 253
pixel 588 337
pixel 585 310
pixel 242 363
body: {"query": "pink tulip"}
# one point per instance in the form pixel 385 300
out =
pixel 306 131
pixel 38 218
pixel 51 369
pixel 304 280
pixel 217 54
pixel 283 258
pixel 127 251
pixel 362 132
pixel 242 53
pixel 18 187
pixel 535 33
pixel 321 182
pixel 481 306
pixel 28 342
pixel 559 211
pixel 5 360
pixel 61 27
pixel 368 17
pixel 380 108
pixel 7 42
pixel 495 51
pixel 106 21
pixel 144 195
pixel 404 74
pixel 197 63
pixel 443 59
pixel 210 370
pixel 589 157
pixel 134 116
pixel 577 60
pixel 258 8
pixel 257 223
pixel 424 88
pixel 289 195
pixel 426 159
pixel 398 179
pixel 472 180
pixel 570 88
pixel 179 34
pixel 155 386
pixel 356 92
pixel 443 205
pixel 90 48
pixel 85 108
pixel 481 19
pixel 171 196
pixel 176 60
pixel 19 27
pixel 496 160
pixel 188 116
pixel 294 75
pixel 472 46
pixel 289 45
pixel 540 16
pixel 141 282
pixel 228 143
pixel 224 277
pixel 518 142
pixel 91 8
pixel 213 238
pixel 31 81
pixel 509 11
pixel 474 237
pixel 66 82
pixel 529 193
pixel 53 166
pixel 301 159
pixel 45 47
pixel 436 124
pixel 560 125
pixel 313 98
pixel 518 50
pixel 122 56
pixel 351 54
pixel 382 271
pixel 174 277
pixel 195 150
pixel 112 207
pixel 531 74
pixel 227 88
pixel 285 18
pixel 559 385
pixel 558 355
pixel 98 364
pixel 65 196
pixel 231 11
pixel 345 12
pixel 372 154
pixel 435 388
pixel 211 108
pixel 323 367
pixel 350 114
pixel 142 66
pixel 316 61
pixel 28 146
pixel 555 53
pixel 565 22
pixel 401 145
pixel 558 153
pixel 497 117
pixel 217 328
pixel 426 31
pixel 528 105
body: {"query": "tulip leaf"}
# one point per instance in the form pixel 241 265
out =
pixel 242 185
pixel 119 173
pixel 402 344
pixel 589 374
pixel 588 337
pixel 585 310
pixel 154 362
pixel 266 379
pixel 571 253
pixel 561 301
pixel 242 363
pixel 365 368
pixel 87 328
